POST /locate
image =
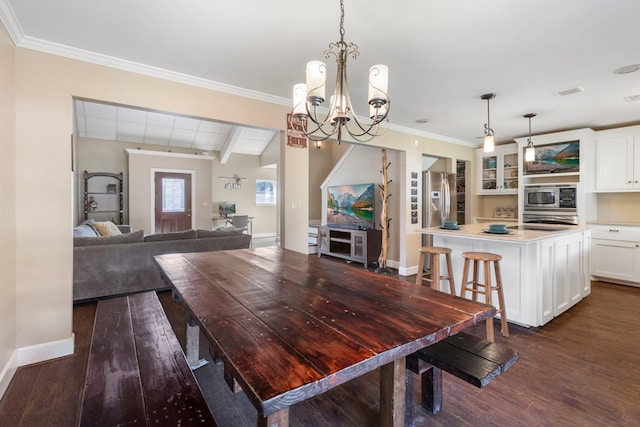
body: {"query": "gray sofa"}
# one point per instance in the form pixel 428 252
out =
pixel 123 264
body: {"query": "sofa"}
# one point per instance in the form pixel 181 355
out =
pixel 122 262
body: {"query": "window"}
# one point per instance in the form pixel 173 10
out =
pixel 265 192
pixel 173 195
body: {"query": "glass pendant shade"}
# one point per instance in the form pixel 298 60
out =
pixel 530 153
pixel 489 144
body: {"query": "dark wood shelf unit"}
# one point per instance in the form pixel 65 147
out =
pixel 118 203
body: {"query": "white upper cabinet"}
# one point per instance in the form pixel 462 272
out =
pixel 617 162
pixel 498 171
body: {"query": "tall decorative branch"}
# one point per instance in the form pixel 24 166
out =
pixel 384 214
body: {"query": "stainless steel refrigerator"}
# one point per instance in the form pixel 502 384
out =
pixel 438 201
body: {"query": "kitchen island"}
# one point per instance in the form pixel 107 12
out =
pixel 545 268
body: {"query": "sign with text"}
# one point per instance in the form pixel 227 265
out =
pixel 295 132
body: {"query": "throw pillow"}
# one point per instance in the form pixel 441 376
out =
pixel 175 235
pixel 135 237
pixel 84 230
pixel 107 228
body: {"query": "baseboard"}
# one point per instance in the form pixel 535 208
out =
pixel 263 235
pixel 7 373
pixel 408 271
pixel 34 354
pixel 41 352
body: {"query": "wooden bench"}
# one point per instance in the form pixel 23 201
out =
pixel 137 373
pixel 472 359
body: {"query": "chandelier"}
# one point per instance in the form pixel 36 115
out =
pixel 341 116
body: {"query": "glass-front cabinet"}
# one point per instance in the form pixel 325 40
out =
pixel 498 170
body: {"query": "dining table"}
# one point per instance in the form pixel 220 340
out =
pixel 289 326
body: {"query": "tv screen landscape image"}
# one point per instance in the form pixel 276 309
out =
pixel 351 206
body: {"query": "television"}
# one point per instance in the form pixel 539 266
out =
pixel 351 206
pixel 226 209
pixel 561 157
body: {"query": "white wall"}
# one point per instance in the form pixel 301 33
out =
pixel 362 165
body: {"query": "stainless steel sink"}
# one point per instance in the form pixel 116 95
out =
pixel 536 227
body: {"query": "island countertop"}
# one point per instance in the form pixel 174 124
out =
pixel 518 233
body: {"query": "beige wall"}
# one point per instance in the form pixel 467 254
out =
pixel 245 166
pixel 619 207
pixel 142 167
pixel 7 209
pixel 362 165
pixel 320 164
pixel 44 87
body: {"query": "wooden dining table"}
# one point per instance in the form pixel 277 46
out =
pixel 289 326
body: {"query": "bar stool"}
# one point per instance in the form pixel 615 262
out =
pixel 476 287
pixel 434 277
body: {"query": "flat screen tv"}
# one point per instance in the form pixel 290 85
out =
pixel 226 209
pixel 351 206
pixel 562 157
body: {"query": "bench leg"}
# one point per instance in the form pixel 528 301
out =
pixel 278 419
pixel 432 390
pixel 193 345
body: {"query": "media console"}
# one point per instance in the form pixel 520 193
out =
pixel 353 245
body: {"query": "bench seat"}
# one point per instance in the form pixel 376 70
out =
pixel 470 358
pixel 137 373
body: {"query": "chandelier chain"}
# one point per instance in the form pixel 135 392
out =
pixel 342 21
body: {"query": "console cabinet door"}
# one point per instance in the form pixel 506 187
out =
pixel 358 246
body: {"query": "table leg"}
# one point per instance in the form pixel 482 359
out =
pixel 277 419
pixel 392 393
pixel 193 345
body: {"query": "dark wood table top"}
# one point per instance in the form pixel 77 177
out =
pixel 289 326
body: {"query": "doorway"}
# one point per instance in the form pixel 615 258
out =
pixel 172 207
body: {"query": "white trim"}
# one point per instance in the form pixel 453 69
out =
pixel 168 154
pixel 34 354
pixel 6 375
pixel 408 271
pixel 152 214
pixel 39 352
pixel 263 235
pixel 7 16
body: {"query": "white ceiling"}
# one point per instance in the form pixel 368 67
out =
pixel 442 55
pixel 120 123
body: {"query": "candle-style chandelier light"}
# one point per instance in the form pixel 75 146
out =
pixel 341 116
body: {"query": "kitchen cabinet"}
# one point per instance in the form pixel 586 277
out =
pixel 615 254
pixel 498 171
pixel 617 162
pixel 353 245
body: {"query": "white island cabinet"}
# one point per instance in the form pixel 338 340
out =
pixel 544 272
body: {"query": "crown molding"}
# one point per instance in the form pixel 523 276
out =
pixel 8 18
pixel 10 21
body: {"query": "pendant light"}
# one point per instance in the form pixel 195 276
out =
pixel 489 140
pixel 530 151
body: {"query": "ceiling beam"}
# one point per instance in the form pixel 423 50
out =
pixel 229 144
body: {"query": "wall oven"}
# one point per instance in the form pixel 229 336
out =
pixel 550 204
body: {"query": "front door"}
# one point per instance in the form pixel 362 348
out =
pixel 172 201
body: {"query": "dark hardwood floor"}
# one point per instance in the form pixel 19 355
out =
pixel 583 368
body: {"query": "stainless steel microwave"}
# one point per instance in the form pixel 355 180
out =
pixel 560 197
